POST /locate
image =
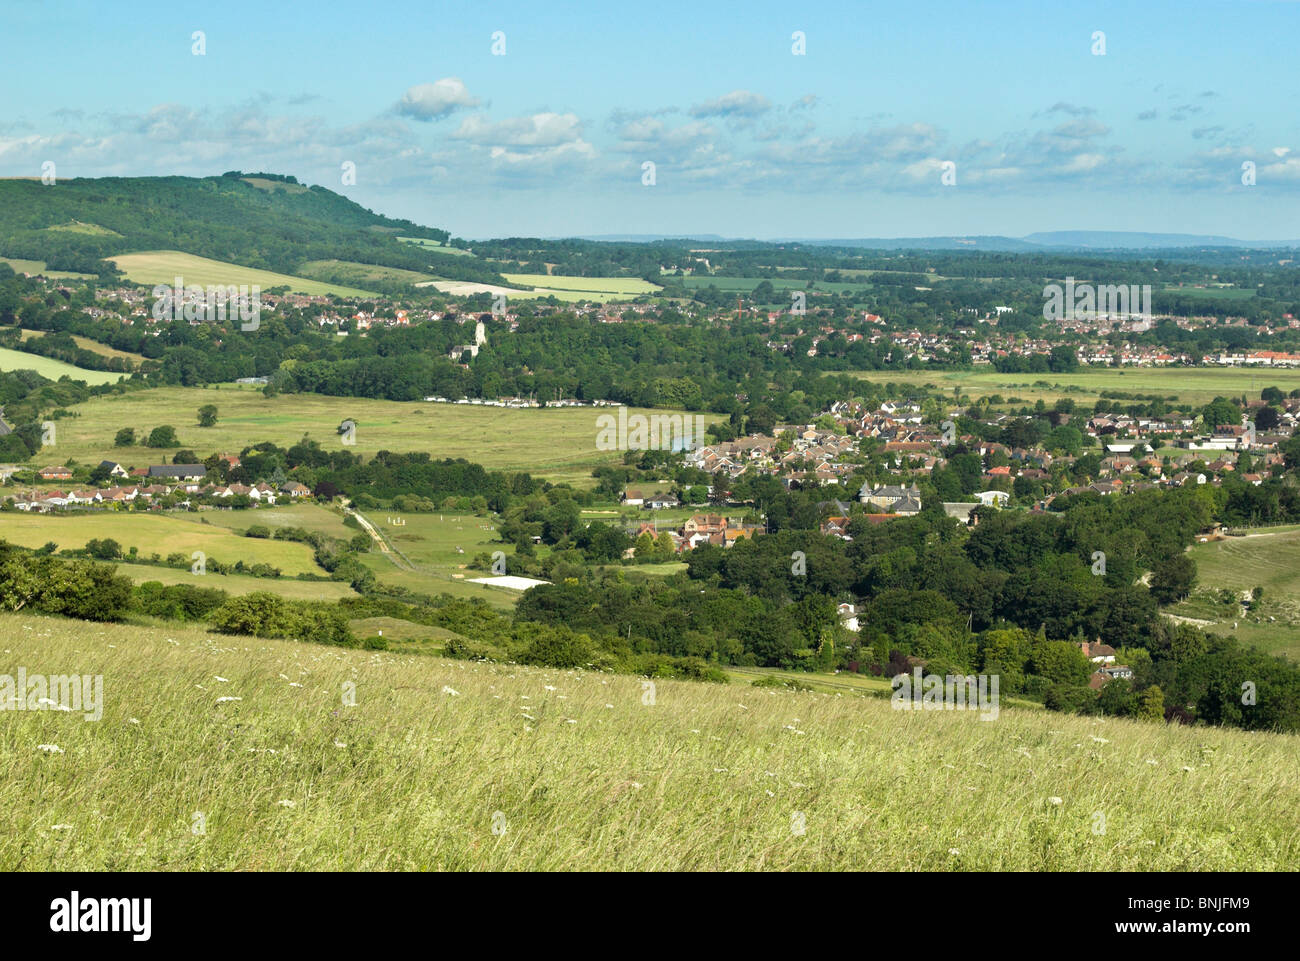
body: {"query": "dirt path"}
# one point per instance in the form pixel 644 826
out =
pixel 394 555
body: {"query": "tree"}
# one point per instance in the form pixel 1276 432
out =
pixel 104 550
pixel 164 436
pixel 1220 411
pixel 208 415
pixel 1151 704
pixel 1172 579
pixel 125 437
pixel 1267 418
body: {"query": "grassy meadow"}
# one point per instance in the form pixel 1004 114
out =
pixel 232 753
pixel 39 267
pixel 429 561
pixel 158 533
pixel 51 368
pixel 1194 385
pixel 355 273
pixel 164 266
pixel 632 286
pixel 1267 558
pixel 238 584
pixel 94 346
pixel 558 444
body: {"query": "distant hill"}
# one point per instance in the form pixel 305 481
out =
pixel 1041 242
pixel 261 221
pixel 1131 240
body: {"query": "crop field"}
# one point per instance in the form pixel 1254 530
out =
pixel 224 753
pixel 234 584
pixel 435 247
pixel 160 534
pixel 558 444
pixel 1195 385
pixel 466 288
pixel 355 273
pixel 312 517
pixel 94 346
pixel 51 368
pixel 39 267
pixel 164 266
pixel 601 285
pixel 1267 558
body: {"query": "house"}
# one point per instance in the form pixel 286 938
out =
pixel 55 473
pixel 263 493
pixel 907 507
pixel 1098 652
pixel 179 471
pixel 704 524
pixel 849 617
pixel 888 495
pixel 295 490
pixel 633 498
pixel 1103 675
pixel 114 468
pixel 661 502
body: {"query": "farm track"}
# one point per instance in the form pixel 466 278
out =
pixel 399 559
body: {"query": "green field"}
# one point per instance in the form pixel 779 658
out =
pixel 446 765
pixel 51 368
pixel 1213 293
pixel 312 517
pixel 180 532
pixel 556 443
pixel 466 288
pixel 94 346
pixel 428 561
pixel 164 266
pixel 38 267
pixel 632 286
pixel 89 230
pixel 746 284
pixel 435 247
pixel 287 587
pixel 1192 385
pixel 1267 558
pixel 354 273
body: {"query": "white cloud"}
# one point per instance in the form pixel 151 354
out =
pixel 738 103
pixel 539 130
pixel 434 101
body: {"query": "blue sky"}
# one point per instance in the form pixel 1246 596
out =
pixel 748 139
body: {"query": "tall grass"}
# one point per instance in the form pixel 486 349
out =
pixel 528 769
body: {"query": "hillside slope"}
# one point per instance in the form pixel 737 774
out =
pixel 229 753
pixel 262 223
